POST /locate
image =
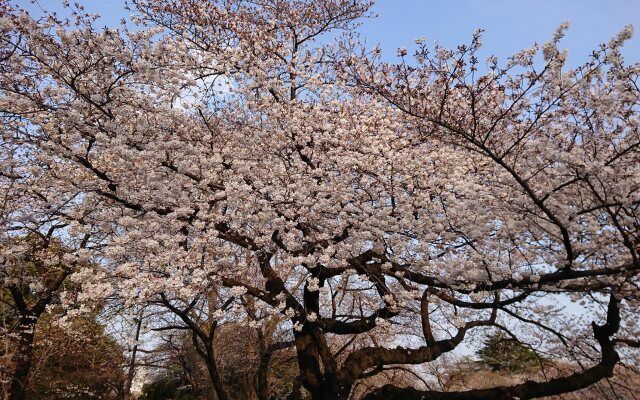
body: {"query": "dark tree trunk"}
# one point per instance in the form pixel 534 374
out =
pixel 23 357
pixel 132 364
pixel 295 394
pixel 322 384
pixel 212 368
pixel 261 380
pixel 262 384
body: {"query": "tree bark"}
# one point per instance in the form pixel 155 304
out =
pixel 132 364
pixel 23 357
pixel 261 379
pixel 322 384
pixel 221 393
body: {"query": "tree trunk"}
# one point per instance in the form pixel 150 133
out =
pixel 218 387
pixel 132 364
pixel 22 358
pixel 331 392
pixel 295 394
pixel 261 382
pixel 323 384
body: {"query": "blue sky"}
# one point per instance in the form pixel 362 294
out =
pixel 510 25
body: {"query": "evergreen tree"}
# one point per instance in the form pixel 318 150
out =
pixel 503 353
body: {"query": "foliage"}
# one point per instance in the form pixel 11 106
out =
pixel 168 388
pixel 507 354
pixel 78 361
pixel 35 279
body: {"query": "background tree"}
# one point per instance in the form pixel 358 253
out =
pixel 77 360
pixel 503 353
pixel 47 352
pixel 178 371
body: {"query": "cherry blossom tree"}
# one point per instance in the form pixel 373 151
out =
pixel 549 159
pixel 387 212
